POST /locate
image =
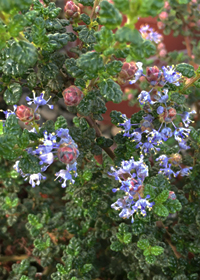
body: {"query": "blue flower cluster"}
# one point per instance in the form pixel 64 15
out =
pixel 149 34
pixel 47 152
pixel 131 175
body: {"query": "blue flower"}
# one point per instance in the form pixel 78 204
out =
pixel 137 136
pixel 65 174
pixel 34 179
pixel 186 117
pixel 141 204
pixel 48 159
pixel 167 171
pixel 162 97
pixel 144 97
pixel 163 160
pixel 160 110
pixel 184 171
pixel 166 133
pixel 171 75
pixel 181 133
pixel 9 112
pixel 39 101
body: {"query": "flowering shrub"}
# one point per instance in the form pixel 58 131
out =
pixel 75 204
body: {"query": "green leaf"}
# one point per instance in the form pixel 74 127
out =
pixel 1 127
pixel 127 238
pixel 173 205
pixel 25 278
pixel 85 18
pixel 149 190
pixel 91 63
pixel 110 17
pixel 18 5
pixel 24 139
pixel 163 196
pixel 143 244
pixel 60 123
pixel 29 164
pixel 86 268
pixel 61 269
pixel 12 94
pixel 111 91
pixel 87 175
pixel 116 246
pixel 125 34
pixel 41 245
pixel 150 259
pixel 33 220
pixel 186 70
pixel 157 250
pixel 161 210
pixel 87 36
pixel 114 67
pixel 86 2
pixel 74 247
pixel 104 142
pixel 73 69
pixel 122 6
pixel 105 39
pixel 178 98
pixel 147 252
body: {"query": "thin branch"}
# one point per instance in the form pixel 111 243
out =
pixel 178 255
pixel 93 124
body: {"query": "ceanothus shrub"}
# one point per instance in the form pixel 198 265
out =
pixel 75 204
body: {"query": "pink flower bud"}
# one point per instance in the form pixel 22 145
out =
pixel 163 16
pixel 72 96
pixel 72 10
pixel 127 72
pixel 161 46
pixel 163 53
pixel 24 113
pixel 67 153
pixel 160 25
pixel 167 6
pixel 153 75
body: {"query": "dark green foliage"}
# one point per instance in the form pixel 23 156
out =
pixel 73 233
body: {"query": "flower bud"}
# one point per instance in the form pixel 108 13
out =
pixel 163 53
pixel 25 113
pixel 146 125
pixel 163 15
pixel 160 25
pixel 168 115
pixel 153 75
pixel 72 10
pixel 127 72
pixel 72 96
pixel 175 159
pixel 68 153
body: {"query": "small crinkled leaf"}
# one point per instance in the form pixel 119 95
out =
pixel 60 123
pixel 87 35
pixel 61 269
pixel 160 210
pixel 173 205
pixel 86 2
pixel 147 252
pixel 86 268
pixel 122 6
pixel 13 94
pixel 125 34
pixel 149 190
pixel 85 18
pixel 29 164
pixel 111 91
pixel 186 70
pixel 105 39
pixel 178 98
pixel 162 197
pixel 114 67
pixel 91 63
pixel 110 17
pixel 150 259
pixel 157 250
pixel 143 244
pixel 127 238
pixel 116 246
pixel 73 69
pixel 24 53
pixel 104 142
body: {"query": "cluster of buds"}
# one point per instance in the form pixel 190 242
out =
pixel 168 115
pixel 72 10
pixel 127 72
pixel 154 76
pixel 72 96
pixel 26 114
